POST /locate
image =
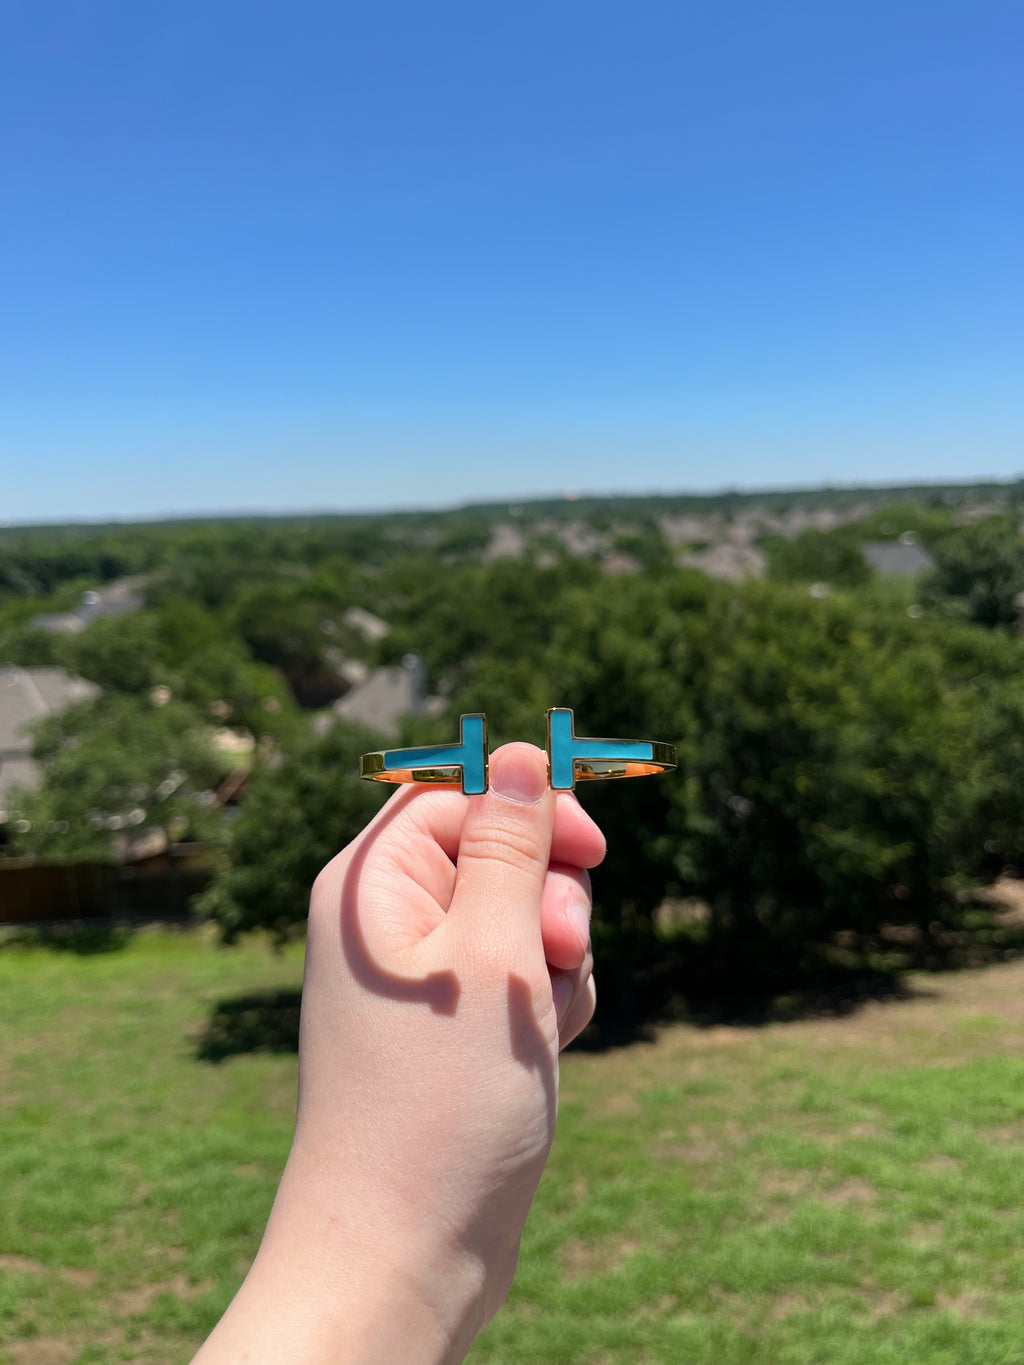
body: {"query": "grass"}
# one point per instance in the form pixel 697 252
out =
pixel 830 1192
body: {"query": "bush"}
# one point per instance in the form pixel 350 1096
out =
pixel 297 815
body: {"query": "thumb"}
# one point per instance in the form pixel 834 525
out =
pixel 504 850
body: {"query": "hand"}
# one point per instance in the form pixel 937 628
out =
pixel 448 959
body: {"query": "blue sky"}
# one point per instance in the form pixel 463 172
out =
pixel 268 256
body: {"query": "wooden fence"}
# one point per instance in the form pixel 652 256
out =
pixel 161 888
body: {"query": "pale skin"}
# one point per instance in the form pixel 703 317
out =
pixel 447 963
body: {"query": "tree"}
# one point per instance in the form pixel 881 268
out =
pixel 842 766
pixel 979 571
pixel 298 813
pixel 839 769
pixel 114 767
pixel 816 556
pixel 205 663
pixel 451 615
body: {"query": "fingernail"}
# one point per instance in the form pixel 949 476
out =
pixel 577 912
pixel 518 774
pixel 561 996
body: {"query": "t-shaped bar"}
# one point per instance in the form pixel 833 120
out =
pixel 571 759
pixel 439 764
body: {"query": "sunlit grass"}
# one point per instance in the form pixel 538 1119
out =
pixel 818 1193
pixel 135 1178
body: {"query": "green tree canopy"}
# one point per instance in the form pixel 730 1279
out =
pixel 299 812
pixel 837 770
pixel 979 572
pixel 816 556
pixel 114 767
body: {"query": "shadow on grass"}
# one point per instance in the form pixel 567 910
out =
pixel 644 981
pixel 263 1021
pixel 80 937
pixel 679 988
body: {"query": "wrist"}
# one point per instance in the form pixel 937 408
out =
pixel 335 1285
pixel 374 1278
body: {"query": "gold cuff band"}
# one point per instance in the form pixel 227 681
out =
pixel 662 760
pixel 372 766
pixel 571 759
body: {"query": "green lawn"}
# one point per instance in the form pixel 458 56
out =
pixel 819 1193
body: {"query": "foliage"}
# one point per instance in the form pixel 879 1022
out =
pixel 646 544
pixel 450 616
pixel 836 557
pixel 120 653
pixel 979 572
pixel 843 765
pixel 205 664
pixel 926 520
pixel 464 536
pixel 35 564
pixel 282 624
pixel 837 772
pixel 299 812
pixel 816 556
pixel 180 646
pixel 115 767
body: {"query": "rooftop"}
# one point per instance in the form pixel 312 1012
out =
pixel 385 696
pixel 903 557
pixel 113 599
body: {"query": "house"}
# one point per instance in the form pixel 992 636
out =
pixel 386 695
pixel 618 563
pixel 507 542
pixel 113 599
pixel 902 558
pixel 151 879
pixel 28 695
pixel 370 627
pixel 730 563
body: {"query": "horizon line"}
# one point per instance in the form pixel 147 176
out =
pixel 567 496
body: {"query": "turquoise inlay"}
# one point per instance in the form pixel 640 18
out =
pixel 566 748
pixel 470 755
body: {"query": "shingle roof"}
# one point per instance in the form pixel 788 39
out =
pixel 112 599
pixel 380 701
pixel 897 557
pixel 386 695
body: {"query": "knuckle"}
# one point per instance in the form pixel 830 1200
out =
pixel 516 848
